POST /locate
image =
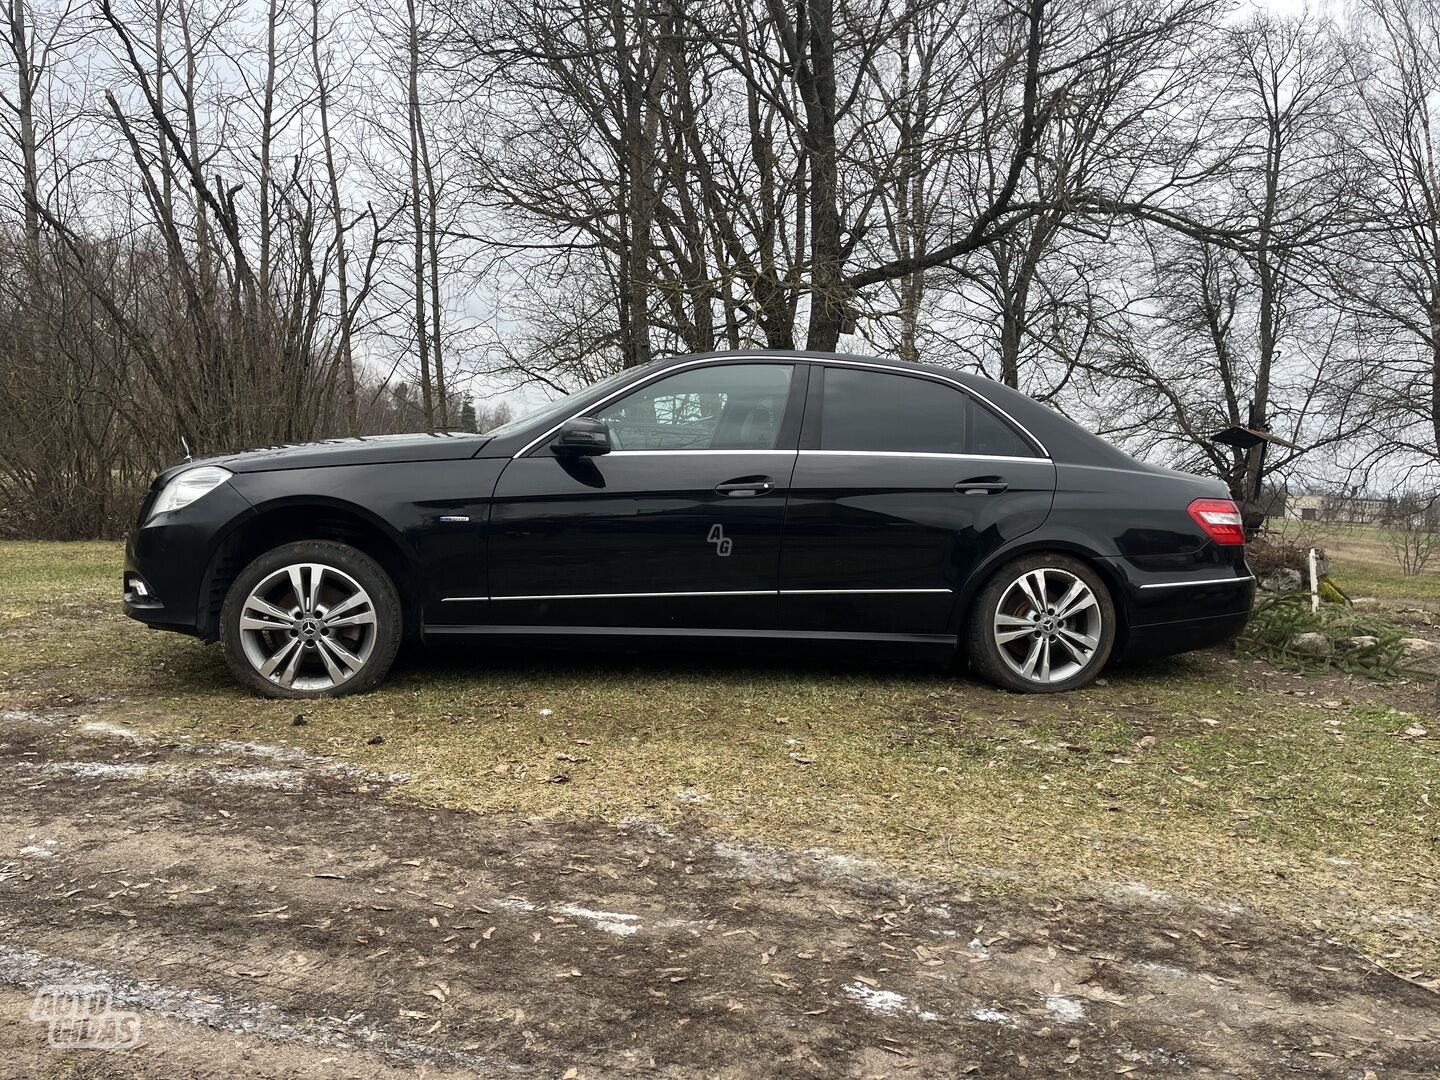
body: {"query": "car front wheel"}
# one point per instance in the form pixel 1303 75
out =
pixel 311 619
pixel 1042 624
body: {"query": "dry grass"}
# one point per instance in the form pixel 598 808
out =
pixel 1363 564
pixel 1207 777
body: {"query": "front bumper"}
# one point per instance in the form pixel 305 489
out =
pixel 167 562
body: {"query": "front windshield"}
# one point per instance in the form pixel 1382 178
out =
pixel 552 409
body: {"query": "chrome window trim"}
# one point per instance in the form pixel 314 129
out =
pixel 1204 581
pixel 720 592
pixel 790 361
pixel 655 453
pixel 921 454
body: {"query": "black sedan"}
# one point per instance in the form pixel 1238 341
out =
pixel 755 497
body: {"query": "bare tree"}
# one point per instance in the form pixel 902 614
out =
pixel 1412 529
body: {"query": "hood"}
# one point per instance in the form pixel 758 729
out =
pixel 361 450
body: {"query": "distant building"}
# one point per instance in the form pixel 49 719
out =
pixel 1335 508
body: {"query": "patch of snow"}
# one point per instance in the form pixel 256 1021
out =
pixel 43 850
pixel 94 769
pixel 280 779
pixel 992 1016
pixel 885 1002
pixel 612 922
pixel 1064 1010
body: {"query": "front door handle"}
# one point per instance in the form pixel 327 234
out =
pixel 746 487
pixel 982 485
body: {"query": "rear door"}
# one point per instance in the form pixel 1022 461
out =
pixel 678 526
pixel 903 484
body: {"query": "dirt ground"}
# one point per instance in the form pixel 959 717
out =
pixel 266 912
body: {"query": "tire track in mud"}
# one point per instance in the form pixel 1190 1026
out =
pixel 309 915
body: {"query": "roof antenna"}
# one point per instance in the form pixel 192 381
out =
pixel 186 446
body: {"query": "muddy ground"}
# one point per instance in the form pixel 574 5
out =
pixel 267 913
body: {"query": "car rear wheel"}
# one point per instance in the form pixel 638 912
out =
pixel 1042 624
pixel 311 619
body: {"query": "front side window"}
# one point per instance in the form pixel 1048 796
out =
pixel 730 407
pixel 877 412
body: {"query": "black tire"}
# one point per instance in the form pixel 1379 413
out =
pixel 1003 663
pixel 344 567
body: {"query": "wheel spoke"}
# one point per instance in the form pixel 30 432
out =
pixel 1028 670
pixel 1014 628
pixel 1045 660
pixel 297 585
pixel 343 606
pixel 1033 586
pixel 336 674
pixel 1086 600
pixel 287 677
pixel 262 606
pixel 317 575
pixel 249 622
pixel 363 618
pixel 268 668
pixel 1006 636
pixel 342 653
pixel 1080 645
pixel 1071 594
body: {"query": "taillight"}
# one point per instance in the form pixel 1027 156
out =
pixel 1220 518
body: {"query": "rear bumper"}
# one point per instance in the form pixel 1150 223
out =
pixel 1169 610
pixel 1183 635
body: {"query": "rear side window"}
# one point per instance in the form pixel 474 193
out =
pixel 869 410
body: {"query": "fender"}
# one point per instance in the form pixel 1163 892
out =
pixel 217 568
pixel 1031 543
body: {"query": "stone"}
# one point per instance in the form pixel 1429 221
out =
pixel 1311 644
pixel 1363 641
pixel 1420 646
pixel 1283 580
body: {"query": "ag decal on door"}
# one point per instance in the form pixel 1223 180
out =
pixel 723 544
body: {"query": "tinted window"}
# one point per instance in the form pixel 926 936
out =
pixel 867 410
pixel 732 407
pixel 991 435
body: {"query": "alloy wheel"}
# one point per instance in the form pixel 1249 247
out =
pixel 308 626
pixel 1047 625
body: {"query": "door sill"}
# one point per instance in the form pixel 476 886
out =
pixel 660 632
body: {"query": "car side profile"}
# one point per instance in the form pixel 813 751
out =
pixel 761 497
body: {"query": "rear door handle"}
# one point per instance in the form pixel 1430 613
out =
pixel 746 487
pixel 982 485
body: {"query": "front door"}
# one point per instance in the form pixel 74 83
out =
pixel 679 526
pixel 903 485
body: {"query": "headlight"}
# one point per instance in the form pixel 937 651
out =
pixel 187 487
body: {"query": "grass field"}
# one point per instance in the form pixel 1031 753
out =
pixel 1210 778
pixel 1364 564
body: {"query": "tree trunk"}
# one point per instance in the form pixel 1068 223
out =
pixel 422 337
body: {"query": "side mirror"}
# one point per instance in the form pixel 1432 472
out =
pixel 584 436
